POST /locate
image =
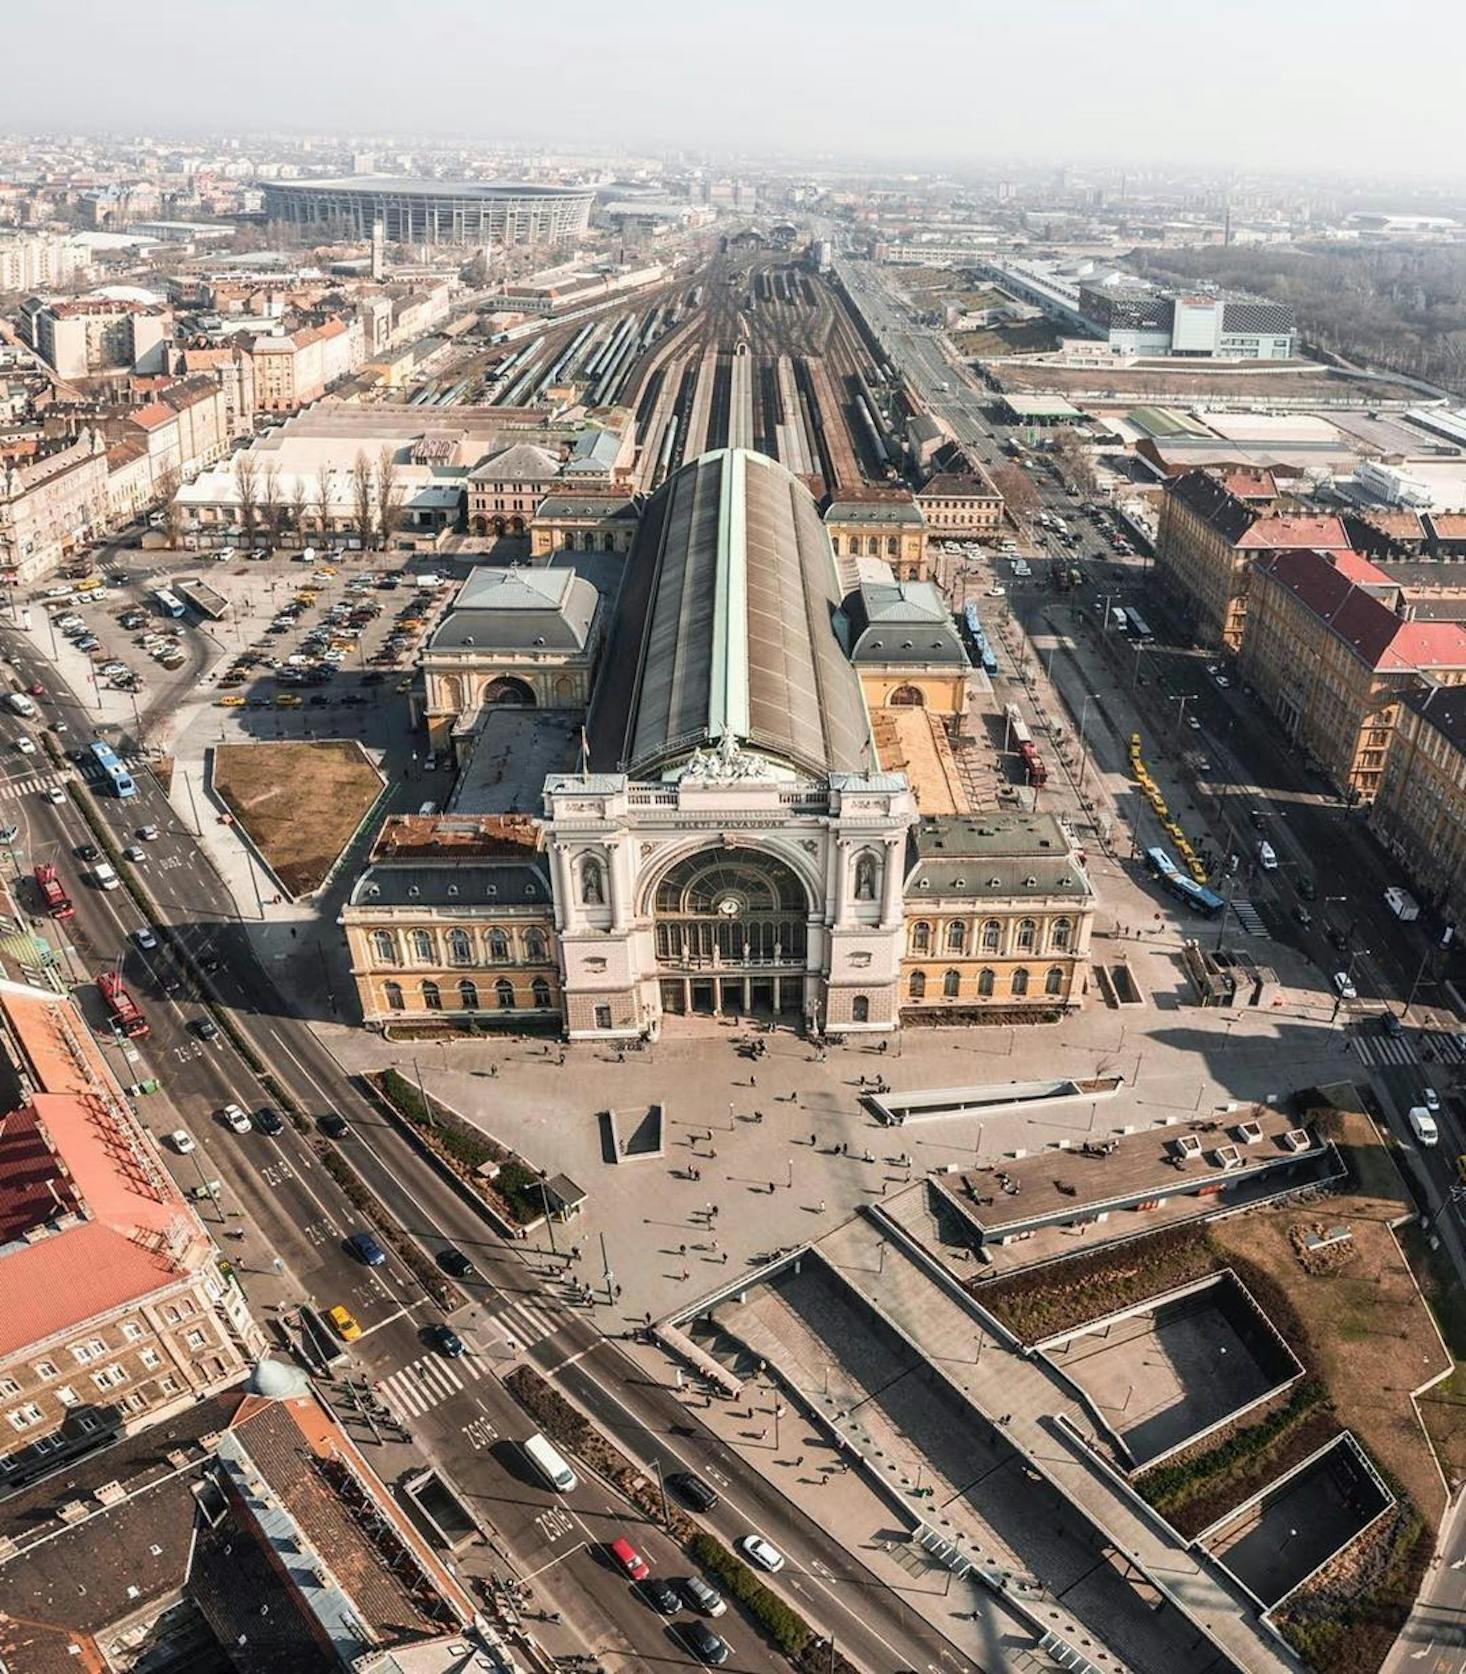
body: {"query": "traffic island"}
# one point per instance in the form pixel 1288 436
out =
pixel 298 805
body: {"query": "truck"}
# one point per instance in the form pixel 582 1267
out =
pixel 58 902
pixel 1402 904
pixel 20 704
pixel 126 1018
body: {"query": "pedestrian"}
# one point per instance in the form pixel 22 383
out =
pixel 799 1461
pixel 682 1249
pixel 618 1298
pixel 822 1206
pixel 813 1138
pixel 493 1072
pixel 723 1259
pixel 753 1081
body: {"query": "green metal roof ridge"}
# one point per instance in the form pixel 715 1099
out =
pixel 728 701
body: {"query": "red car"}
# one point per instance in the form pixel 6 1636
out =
pixel 627 1558
pixel 36 689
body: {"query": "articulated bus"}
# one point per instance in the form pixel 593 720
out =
pixel 117 775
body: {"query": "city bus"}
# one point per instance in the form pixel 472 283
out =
pixel 1137 626
pixel 169 603
pixel 117 776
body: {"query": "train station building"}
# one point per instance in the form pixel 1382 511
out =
pixel 694 747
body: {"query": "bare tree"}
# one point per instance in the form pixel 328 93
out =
pixel 322 503
pixel 272 507
pixel 390 491
pixel 246 483
pixel 299 499
pixel 167 486
pixel 1019 494
pixel 363 498
pixel 1074 461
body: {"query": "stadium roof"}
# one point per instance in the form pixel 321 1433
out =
pixel 375 184
pixel 725 629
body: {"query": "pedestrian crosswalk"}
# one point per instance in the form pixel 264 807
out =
pixel 426 1383
pixel 1248 916
pixel 1376 1051
pixel 26 784
pixel 518 1324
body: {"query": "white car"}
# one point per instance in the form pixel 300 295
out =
pixel 997 590
pixel 26 746
pixel 56 794
pixel 234 1117
pixel 1193 723
pixel 760 1553
pixel 1423 1125
pixel 1223 681
pixel 181 1141
pixel 1344 986
pixel 145 937
pixel 1432 1100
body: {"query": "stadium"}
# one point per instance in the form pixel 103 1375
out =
pixel 467 212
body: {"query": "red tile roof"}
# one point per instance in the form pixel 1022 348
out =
pixel 1248 484
pixel 1387 642
pixel 1449 526
pixel 1321 533
pixel 151 416
pixel 1359 569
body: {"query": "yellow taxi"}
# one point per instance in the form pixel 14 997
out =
pixel 348 1327
pixel 1197 871
pixel 305 598
pixel 329 573
pixel 233 701
pixel 287 700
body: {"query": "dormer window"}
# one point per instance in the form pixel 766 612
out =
pixel 1030 883
pixel 413 891
pixel 452 889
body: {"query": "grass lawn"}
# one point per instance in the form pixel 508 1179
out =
pixel 300 803
pixel 1443 1408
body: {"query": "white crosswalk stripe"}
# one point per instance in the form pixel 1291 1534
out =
pixel 1377 1050
pixel 424 1384
pixel 1248 917
pixel 523 1323
pixel 27 784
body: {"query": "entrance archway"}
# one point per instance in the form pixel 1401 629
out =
pixel 509 689
pixel 731 931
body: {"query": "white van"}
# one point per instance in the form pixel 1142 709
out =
pixel 1266 857
pixel 550 1465
pixel 1423 1125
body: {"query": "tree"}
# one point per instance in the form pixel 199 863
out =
pixel 1019 494
pixel 272 507
pixel 246 483
pixel 322 503
pixel 299 499
pixel 389 497
pixel 167 486
pixel 363 498
pixel 1074 461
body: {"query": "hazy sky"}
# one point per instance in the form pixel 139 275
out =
pixel 1290 85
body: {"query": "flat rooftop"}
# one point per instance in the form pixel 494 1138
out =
pixel 1125 1172
pixel 514 752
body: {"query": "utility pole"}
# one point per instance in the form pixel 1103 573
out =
pixel 662 1490
pixel 549 1218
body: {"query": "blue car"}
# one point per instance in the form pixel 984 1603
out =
pixel 366 1249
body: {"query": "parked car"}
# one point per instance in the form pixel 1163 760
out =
pixel 182 1141
pixel 704 1644
pixel 703 1596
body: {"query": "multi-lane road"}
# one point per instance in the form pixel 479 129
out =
pixel 277 1193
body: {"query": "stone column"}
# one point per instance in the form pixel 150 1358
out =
pixel 618 881
pixel 891 881
pixel 563 885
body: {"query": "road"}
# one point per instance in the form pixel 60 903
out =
pixel 278 1186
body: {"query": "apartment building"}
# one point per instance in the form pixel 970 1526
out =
pixel 53 502
pixel 94 337
pixel 999 912
pixel 31 261
pixel 292 371
pixel 1420 810
pixel 234 367
pixel 1333 660
pixel 114 1309
pixel 1214 526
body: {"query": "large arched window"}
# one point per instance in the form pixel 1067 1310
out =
pixel 921 938
pixel 432 997
pixel 906 697
pixel 498 947
pixel 1054 981
pixel 1020 981
pixel 731 907
pixel 952 984
pixel 592 882
pixel 504 994
pixel 985 982
pixel 384 947
pixel 460 948
pixel 534 946
pixel 1027 935
pixel 392 994
pixel 860 1009
pixel 992 935
pixel 918 985
pixel 1061 935
pixel 423 950
pixel 956 936
pixel 540 991
pixel 468 995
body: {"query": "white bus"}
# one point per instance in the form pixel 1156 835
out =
pixel 550 1465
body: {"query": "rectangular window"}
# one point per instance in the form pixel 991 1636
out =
pixel 169 1386
pixel 131 1330
pixel 46 1369
pixel 67 1396
pixel 8 1387
pixel 196 1339
pixel 149 1358
pixel 24 1418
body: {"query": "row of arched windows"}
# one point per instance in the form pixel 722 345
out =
pixel 493 946
pixel 871 547
pixel 430 995
pixel 987 980
pixel 953 938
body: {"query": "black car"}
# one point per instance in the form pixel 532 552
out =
pixel 1338 937
pixel 1390 1024
pixel 333 1126
pixel 206 1028
pixel 1308 889
pixel 269 1120
pixel 704 1644
pixel 446 1341
pixel 456 1263
pixel 88 851
pixel 373 677
pixel 693 1491
pixel 661 1595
